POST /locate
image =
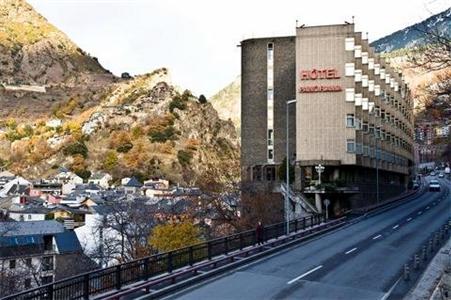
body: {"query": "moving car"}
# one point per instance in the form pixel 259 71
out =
pixel 434 186
pixel 441 175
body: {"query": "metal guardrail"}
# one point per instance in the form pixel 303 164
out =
pixel 88 285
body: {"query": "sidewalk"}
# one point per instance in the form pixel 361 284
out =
pixel 436 279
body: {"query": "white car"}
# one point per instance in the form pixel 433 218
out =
pixel 434 186
pixel 441 175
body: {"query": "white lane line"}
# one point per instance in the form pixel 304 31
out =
pixel 350 251
pixel 409 219
pixel 427 208
pixel 420 212
pixel 305 274
pixel 377 236
pixel 396 226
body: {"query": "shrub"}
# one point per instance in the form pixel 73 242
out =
pixel 76 148
pixel 169 133
pixel 124 148
pixel 184 157
pixel 177 102
pixel 202 99
pixel 110 161
pixel 85 174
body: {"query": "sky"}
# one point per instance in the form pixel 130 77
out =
pixel 197 39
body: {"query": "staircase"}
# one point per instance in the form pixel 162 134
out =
pixel 302 205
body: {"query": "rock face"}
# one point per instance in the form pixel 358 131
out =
pixel 35 53
pixel 228 103
pixel 414 35
pixel 60 108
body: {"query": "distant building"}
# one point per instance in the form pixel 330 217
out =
pixel 54 123
pixel 101 179
pixel 38 252
pixel 132 186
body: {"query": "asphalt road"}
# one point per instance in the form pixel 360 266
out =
pixel 361 261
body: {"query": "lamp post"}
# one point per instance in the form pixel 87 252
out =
pixel 287 190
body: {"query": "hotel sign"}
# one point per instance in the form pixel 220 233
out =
pixel 315 74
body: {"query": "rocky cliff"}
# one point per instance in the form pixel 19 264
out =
pixel 61 108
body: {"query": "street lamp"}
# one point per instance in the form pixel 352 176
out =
pixel 287 190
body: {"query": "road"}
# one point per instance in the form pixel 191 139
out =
pixel 361 261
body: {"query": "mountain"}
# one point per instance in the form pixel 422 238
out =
pixel 228 102
pixel 414 35
pixel 40 67
pixel 61 108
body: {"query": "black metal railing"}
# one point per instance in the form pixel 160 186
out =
pixel 87 285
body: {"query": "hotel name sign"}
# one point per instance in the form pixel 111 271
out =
pixel 315 74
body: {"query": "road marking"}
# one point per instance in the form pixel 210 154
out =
pixel 427 208
pixel 305 274
pixel 409 219
pixel 396 226
pixel 420 212
pixel 387 294
pixel 377 236
pixel 350 251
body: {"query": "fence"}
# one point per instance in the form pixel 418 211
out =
pixel 100 281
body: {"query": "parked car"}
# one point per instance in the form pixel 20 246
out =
pixel 441 175
pixel 434 186
pixel 432 174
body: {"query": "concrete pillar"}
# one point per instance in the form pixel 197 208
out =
pixel 299 178
pixel 336 174
pixel 318 203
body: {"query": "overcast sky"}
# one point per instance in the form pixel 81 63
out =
pixel 197 39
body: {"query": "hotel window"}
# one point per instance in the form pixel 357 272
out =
pixel 358 99
pixel 370 63
pixel 364 58
pixel 350 120
pixel 357 51
pixel 358 148
pixel 396 86
pixel 370 107
pixel 270 173
pixel 392 82
pixel 365 150
pixel 350 95
pixel 270 101
pixel 270 137
pixel 377 90
pixel 349 69
pixel 365 127
pixel 370 85
pixel 358 75
pixel 364 80
pixel 371 129
pixel 364 103
pixel 382 73
pixel 387 78
pixel 383 114
pixel 349 44
pixel 377 68
pixel 358 124
pixel 350 146
pixel 270 154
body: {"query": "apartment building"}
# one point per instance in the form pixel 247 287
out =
pixel 353 115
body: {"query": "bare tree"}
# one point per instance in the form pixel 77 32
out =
pixel 435 51
pixel 123 232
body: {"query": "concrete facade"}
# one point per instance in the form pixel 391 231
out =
pixel 354 115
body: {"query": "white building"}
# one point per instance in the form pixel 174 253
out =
pixel 101 179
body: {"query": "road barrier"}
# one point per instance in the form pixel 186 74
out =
pixel 436 240
pixel 101 281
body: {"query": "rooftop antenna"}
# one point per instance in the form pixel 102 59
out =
pixel 352 20
pixel 296 23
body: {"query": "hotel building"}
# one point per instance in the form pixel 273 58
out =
pixel 353 115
